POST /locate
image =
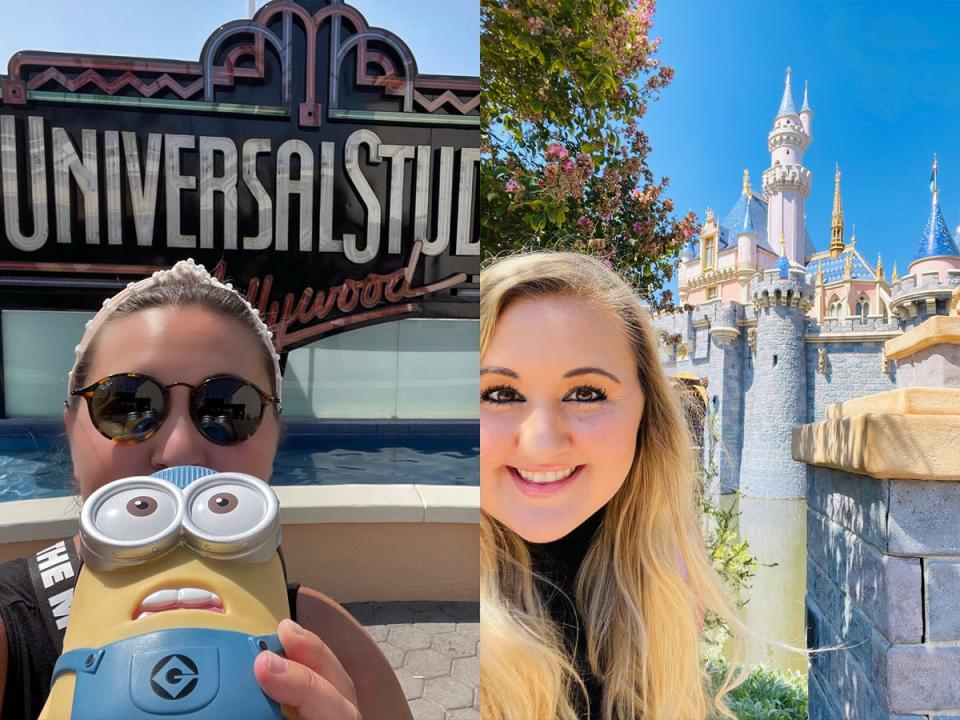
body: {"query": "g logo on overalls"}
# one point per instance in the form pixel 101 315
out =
pixel 168 675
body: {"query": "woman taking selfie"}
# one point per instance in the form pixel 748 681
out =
pixel 176 370
pixel 594 577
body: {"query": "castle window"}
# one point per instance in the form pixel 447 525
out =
pixel 708 255
pixel 774 360
pixel 712 292
pixel 834 306
pixel 863 306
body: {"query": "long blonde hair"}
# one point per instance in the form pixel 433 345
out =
pixel 641 614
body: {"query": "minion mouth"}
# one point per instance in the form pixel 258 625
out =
pixel 188 598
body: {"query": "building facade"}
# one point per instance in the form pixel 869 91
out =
pixel 773 330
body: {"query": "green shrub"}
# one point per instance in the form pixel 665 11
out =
pixel 765 695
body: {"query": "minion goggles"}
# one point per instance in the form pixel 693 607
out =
pixel 224 516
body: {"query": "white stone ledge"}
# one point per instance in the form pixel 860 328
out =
pixel 850 337
pixel 26 520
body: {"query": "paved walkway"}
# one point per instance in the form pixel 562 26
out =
pixel 434 647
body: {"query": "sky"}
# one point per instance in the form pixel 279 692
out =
pixel 882 82
pixel 885 91
pixel 448 43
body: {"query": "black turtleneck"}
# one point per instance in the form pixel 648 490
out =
pixel 559 561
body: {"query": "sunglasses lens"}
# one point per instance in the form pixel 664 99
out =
pixel 227 410
pixel 127 407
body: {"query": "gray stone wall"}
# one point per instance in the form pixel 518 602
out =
pixel 725 393
pixel 776 403
pixel 883 582
pixel 853 369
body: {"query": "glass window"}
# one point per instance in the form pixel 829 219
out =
pixel 38 352
pixel 405 369
pixel 412 368
pixel 834 306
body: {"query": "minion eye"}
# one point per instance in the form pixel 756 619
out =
pixel 130 521
pixel 232 515
pixel 227 509
pixel 135 512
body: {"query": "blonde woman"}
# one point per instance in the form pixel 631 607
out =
pixel 594 574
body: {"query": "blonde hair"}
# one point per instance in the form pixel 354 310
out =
pixel 641 614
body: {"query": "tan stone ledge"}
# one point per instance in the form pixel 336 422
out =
pixel 936 330
pixel 906 401
pixel 26 520
pixel 884 445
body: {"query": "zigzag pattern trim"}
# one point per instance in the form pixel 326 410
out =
pixel 447 97
pixel 128 79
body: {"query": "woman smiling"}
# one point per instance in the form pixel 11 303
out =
pixel 594 577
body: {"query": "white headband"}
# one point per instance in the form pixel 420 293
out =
pixel 185 272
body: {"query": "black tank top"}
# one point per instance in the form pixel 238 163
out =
pixel 34 642
pixel 559 561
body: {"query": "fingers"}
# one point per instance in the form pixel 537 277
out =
pixel 304 647
pixel 309 679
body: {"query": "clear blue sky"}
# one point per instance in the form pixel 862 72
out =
pixel 443 34
pixel 884 87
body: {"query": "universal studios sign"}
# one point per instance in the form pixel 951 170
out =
pixel 303 157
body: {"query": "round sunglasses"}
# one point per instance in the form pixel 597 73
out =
pixel 130 407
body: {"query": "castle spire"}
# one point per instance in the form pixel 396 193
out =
pixel 786 104
pixel 879 267
pixel 933 180
pixel 936 240
pixel 836 229
pixel 894 277
pixel 806 103
pixel 783 264
pixel 746 183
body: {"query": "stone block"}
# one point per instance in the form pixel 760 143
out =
pixel 888 589
pixel 817 483
pixel 922 678
pixel 874 495
pixel 821 706
pixel 843 499
pixel 942 579
pixel 922 517
pixel 937 366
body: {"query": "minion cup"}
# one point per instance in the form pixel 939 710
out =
pixel 182 586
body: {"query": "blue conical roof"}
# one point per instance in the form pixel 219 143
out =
pixel 747 226
pixel 786 104
pixel 783 265
pixel 936 239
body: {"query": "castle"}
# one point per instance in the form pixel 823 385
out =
pixel 773 331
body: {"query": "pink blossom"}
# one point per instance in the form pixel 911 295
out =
pixel 637 226
pixel 584 221
pixel 512 186
pixel 556 150
pixel 535 25
pixel 569 165
pixel 636 194
pixel 606 261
